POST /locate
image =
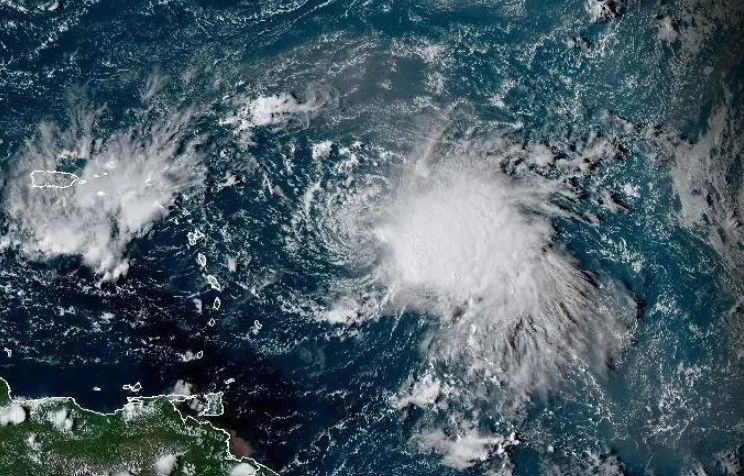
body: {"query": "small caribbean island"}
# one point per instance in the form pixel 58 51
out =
pixel 148 436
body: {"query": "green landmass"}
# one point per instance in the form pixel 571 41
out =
pixel 149 436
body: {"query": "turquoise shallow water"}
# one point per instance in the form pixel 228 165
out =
pixel 619 97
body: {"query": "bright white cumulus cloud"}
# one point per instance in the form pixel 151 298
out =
pixel 465 449
pixel 477 249
pixel 462 232
pixel 279 110
pixel 73 192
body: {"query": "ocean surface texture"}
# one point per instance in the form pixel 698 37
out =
pixel 403 238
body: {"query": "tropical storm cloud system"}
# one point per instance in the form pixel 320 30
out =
pixel 371 238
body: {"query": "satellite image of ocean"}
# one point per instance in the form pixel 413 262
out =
pixel 371 238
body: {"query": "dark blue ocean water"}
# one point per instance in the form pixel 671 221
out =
pixel 313 398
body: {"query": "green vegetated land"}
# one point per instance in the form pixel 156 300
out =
pixel 147 437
